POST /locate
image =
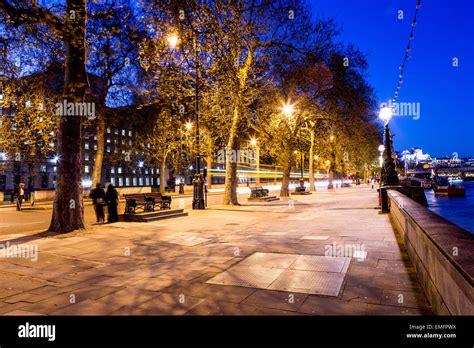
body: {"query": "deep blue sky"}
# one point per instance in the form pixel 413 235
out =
pixel 446 94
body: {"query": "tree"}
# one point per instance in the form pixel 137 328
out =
pixel 70 28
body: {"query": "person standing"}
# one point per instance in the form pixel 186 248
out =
pixel 98 200
pixel 112 198
pixel 20 195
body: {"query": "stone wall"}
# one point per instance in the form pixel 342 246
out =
pixel 442 253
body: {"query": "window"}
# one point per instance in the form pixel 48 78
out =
pixel 151 170
pixel 43 168
pixel 112 170
pixel 123 132
pixel 108 131
pixel 146 170
pixel 86 146
pixel 129 133
pixel 108 148
pixel 95 147
pixel 120 181
pixel 134 181
pixel 108 140
pixel 95 137
pixel 115 150
pixel 119 170
pixel 147 181
pixel 86 169
pixel 54 169
pixel 86 156
pixel 112 181
pixel 140 181
pixel 116 132
pixel 123 141
pixel 127 181
pixel 130 142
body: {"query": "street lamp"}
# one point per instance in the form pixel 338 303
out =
pixel 332 164
pixel 189 126
pixel 198 180
pixel 173 40
pixel 389 174
pixel 254 143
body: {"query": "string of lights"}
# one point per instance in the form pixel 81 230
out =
pixel 407 52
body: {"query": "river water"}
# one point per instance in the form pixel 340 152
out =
pixel 459 210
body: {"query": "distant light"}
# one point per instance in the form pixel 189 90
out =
pixel 316 157
pixel 331 137
pixel 3 156
pixel 288 109
pixel 189 126
pixel 191 167
pixel 385 114
pixel 253 142
pixel 86 183
pixel 173 40
pixel 55 159
pixel 381 148
pixel 140 164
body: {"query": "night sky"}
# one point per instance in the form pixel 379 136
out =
pixel 444 30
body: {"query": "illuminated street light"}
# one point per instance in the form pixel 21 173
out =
pixel 173 40
pixel 189 126
pixel 385 114
pixel 253 142
pixel 288 109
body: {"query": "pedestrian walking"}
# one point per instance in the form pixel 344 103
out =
pixel 20 195
pixel 373 183
pixel 112 198
pixel 98 201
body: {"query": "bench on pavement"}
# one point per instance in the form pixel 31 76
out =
pixel 154 198
pixel 258 193
pixel 134 202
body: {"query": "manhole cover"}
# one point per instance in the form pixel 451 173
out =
pixel 310 274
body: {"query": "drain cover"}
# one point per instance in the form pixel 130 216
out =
pixel 310 274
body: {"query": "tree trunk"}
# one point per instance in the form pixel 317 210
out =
pixel 312 187
pixel 99 155
pixel 230 188
pixel 210 148
pixel 68 206
pixel 162 175
pixel 285 181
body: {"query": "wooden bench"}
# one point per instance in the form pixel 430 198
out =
pixel 154 198
pixel 258 192
pixel 134 202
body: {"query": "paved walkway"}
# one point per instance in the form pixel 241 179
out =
pixel 179 266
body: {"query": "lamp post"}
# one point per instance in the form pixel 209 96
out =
pixel 254 143
pixel 198 180
pixel 332 164
pixel 389 174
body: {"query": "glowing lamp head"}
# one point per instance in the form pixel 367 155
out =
pixel 385 114
pixel 288 109
pixel 189 126
pixel 253 142
pixel 331 138
pixel 381 148
pixel 141 164
pixel 173 40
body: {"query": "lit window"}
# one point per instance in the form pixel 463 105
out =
pixel 95 138
pixel 108 140
pixel 123 131
pixel 95 147
pixel 130 142
pixel 120 181
pixel 86 146
pixel 129 133
pixel 140 181
pixel 108 129
pixel 134 181
pixel 127 181
pixel 112 170
pixel 86 156
pixel 147 181
pixel 123 141
pixel 54 169
pixel 86 169
pixel 108 148
pixel 116 131
pixel 112 181
pixel 43 168
pixel 119 170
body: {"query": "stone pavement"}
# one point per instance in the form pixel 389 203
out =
pixel 329 253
